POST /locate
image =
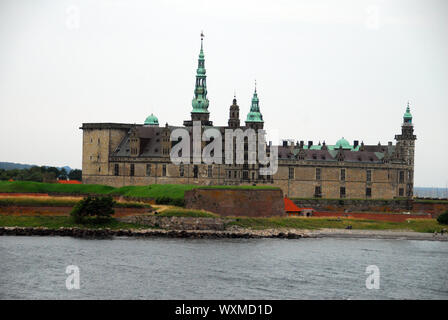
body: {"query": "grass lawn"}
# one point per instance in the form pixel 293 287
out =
pixel 179 212
pixel 154 191
pixel 418 225
pixel 54 202
pixel 55 222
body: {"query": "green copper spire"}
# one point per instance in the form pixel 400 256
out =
pixel 200 101
pixel 407 117
pixel 255 115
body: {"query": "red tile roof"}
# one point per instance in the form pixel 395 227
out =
pixel 290 206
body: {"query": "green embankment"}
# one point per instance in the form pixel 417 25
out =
pixel 178 212
pixel 45 202
pixel 55 222
pixel 418 225
pixel 154 191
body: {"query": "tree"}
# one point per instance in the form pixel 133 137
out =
pixel 75 174
pixel 94 209
pixel 443 218
pixel 63 174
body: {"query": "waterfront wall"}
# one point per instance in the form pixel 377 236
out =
pixel 176 223
pixel 434 208
pixel 350 205
pixel 237 202
pixel 370 205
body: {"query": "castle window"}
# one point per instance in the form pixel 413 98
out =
pixel 195 171
pixel 116 169
pixel 235 174
pixel 253 175
pixel 318 171
pixel 368 192
pixel 400 192
pixel 164 170
pixel 210 171
pixel 229 174
pixel 148 170
pixel 132 170
pixel 291 173
pixel 342 192
pixel 342 174
pixel 401 177
pixel 99 169
pixel 98 140
pixel 181 170
pixel 317 192
pixel 369 175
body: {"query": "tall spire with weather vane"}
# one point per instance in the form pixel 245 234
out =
pixel 254 117
pixel 200 102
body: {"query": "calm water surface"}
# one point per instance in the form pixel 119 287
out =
pixel 158 268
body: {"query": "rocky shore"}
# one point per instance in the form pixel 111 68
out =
pixel 232 233
pixel 107 233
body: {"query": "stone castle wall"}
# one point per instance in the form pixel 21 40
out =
pixel 351 205
pixel 237 202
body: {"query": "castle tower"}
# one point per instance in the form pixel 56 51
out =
pixel 405 149
pixel 254 118
pixel 234 115
pixel 200 101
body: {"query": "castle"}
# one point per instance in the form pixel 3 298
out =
pixel 119 154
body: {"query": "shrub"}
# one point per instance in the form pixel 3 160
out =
pixel 95 209
pixel 170 201
pixel 443 218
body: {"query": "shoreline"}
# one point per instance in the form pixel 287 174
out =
pixel 235 233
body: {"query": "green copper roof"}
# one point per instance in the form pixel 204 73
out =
pixel 407 117
pixel 200 101
pixel 343 143
pixel 152 120
pixel 254 115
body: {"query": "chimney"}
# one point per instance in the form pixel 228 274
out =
pixel 301 143
pixel 389 143
pixel 285 143
pixel 355 143
pixel 310 143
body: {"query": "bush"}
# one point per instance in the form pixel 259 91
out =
pixel 94 209
pixel 170 201
pixel 443 218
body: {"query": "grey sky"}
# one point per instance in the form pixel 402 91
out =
pixel 324 69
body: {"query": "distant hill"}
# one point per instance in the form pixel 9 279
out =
pixel 20 166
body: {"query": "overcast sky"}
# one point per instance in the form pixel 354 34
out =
pixel 324 70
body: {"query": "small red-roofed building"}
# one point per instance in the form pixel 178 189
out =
pixel 293 210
